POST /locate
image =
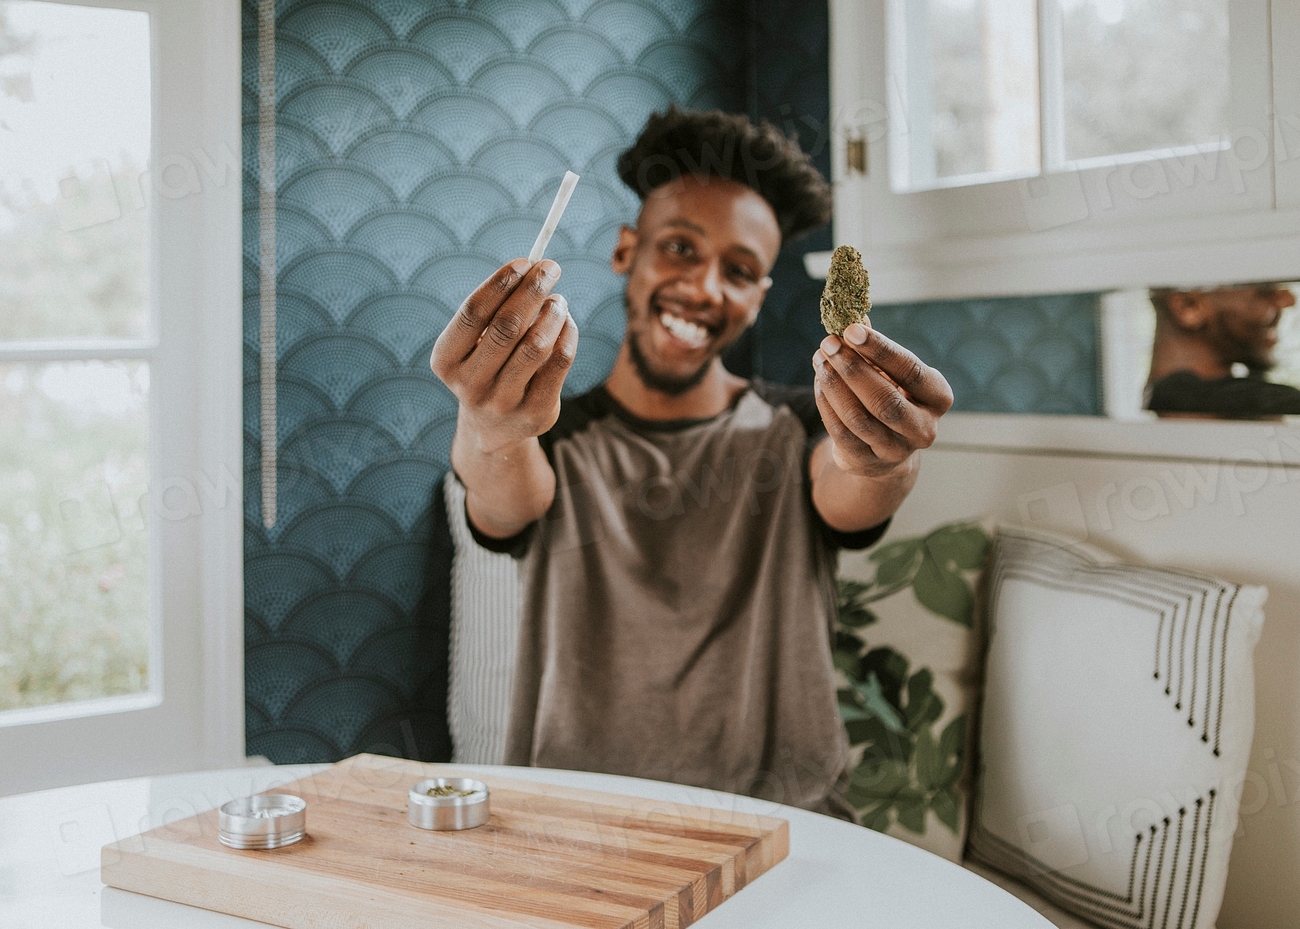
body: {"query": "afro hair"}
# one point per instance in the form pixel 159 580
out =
pixel 713 143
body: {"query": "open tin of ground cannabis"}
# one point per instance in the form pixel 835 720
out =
pixel 262 821
pixel 447 803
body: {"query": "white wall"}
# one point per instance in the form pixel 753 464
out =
pixel 1244 527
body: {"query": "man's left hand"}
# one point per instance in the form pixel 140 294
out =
pixel 880 403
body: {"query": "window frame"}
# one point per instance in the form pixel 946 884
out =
pixel 192 716
pixel 1130 224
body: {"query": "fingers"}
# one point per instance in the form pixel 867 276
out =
pixel 544 387
pixel 850 424
pixel 922 383
pixel 843 441
pixel 511 321
pixel 463 332
pixel 533 349
pixel 483 332
pixel 876 396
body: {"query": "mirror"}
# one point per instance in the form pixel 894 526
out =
pixel 1226 352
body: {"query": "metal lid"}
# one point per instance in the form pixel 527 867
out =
pixel 262 821
pixel 447 803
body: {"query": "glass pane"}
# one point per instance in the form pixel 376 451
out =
pixel 984 72
pixel 1175 51
pixel 74 146
pixel 74 598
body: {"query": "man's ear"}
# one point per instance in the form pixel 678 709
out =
pixel 1190 310
pixel 624 249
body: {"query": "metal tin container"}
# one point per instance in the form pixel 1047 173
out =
pixel 464 806
pixel 262 821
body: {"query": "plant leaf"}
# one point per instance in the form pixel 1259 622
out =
pixel 890 668
pixel 943 592
pixel 947 807
pixel 924 706
pixel 877 817
pixel 850 591
pixel 845 662
pixel 860 730
pixel 911 815
pixel 930 765
pixel 878 778
pixel 846 641
pixel 850 605
pixel 850 709
pixel 958 546
pixel 855 617
pixel 897 549
pixel 898 568
pixel 877 705
pixel 880 742
pixel 886 744
pixel 845 651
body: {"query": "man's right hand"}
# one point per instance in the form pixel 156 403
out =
pixel 505 355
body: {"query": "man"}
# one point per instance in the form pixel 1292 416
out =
pixel 678 524
pixel 1201 335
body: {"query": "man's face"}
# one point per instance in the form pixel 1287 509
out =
pixel 696 267
pixel 1243 322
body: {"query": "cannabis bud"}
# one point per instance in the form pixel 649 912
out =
pixel 844 299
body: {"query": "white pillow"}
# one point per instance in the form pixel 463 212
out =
pixel 1117 720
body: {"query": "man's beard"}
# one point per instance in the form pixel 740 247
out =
pixel 662 383
pixel 1255 354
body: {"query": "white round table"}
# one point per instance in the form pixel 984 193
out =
pixel 837 874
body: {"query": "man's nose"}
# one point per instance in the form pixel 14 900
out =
pixel 1284 297
pixel 707 280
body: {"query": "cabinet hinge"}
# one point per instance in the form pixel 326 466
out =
pixel 855 155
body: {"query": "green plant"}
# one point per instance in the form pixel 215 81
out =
pixel 890 711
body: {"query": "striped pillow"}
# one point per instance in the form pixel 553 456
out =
pixel 1117 720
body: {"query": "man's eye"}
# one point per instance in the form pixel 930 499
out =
pixel 742 273
pixel 674 247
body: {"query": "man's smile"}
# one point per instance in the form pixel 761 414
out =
pixel 689 334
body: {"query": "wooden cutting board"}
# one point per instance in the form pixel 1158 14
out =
pixel 549 857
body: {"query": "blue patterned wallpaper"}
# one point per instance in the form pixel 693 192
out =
pixel 418 146
pixel 1009 355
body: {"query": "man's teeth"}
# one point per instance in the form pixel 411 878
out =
pixel 690 333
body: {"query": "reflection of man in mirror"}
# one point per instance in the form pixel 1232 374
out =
pixel 1201 336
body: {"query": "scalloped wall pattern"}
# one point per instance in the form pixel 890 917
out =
pixel 1008 355
pixel 418 146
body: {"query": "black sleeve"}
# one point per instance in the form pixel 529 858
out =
pixel 803 404
pixel 1238 397
pixel 515 546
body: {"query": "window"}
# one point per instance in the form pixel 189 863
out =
pixel 74 396
pixel 1049 146
pixel 967 79
pixel 119 389
pixel 1006 89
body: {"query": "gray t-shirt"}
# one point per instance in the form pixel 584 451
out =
pixel 678 598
